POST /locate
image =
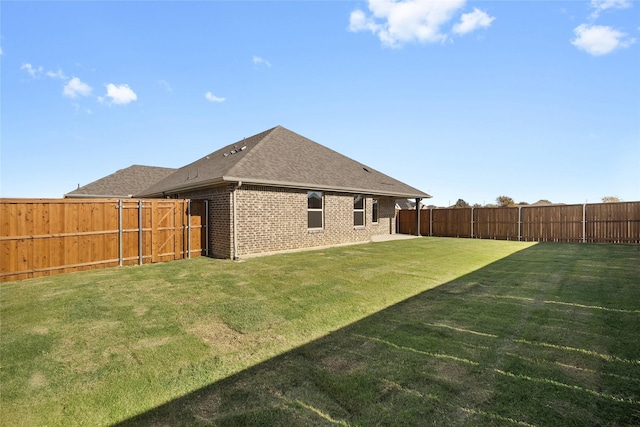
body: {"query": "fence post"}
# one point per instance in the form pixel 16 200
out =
pixel 519 223
pixel 189 229
pixel 418 216
pixel 584 223
pixel 430 221
pixel 120 232
pixel 140 254
pixel 472 222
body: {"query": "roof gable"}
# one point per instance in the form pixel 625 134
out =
pixel 280 157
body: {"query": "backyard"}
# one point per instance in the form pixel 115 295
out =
pixel 427 331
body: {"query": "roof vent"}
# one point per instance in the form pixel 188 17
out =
pixel 366 170
pixel 235 150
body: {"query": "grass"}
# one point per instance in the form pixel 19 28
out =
pixel 423 331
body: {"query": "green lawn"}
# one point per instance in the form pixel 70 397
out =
pixel 425 331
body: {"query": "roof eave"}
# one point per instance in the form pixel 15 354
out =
pixel 184 187
pixel 274 183
pixel 354 190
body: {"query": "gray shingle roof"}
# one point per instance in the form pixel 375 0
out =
pixel 279 157
pixel 123 183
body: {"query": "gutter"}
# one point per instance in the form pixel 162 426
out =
pixel 269 183
pixel 296 185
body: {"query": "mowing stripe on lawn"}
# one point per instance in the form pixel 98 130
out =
pixel 593 307
pixel 426 353
pixel 605 357
pixel 573 387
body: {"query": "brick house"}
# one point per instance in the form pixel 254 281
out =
pixel 279 191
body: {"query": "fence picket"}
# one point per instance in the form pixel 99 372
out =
pixel 40 237
pixel 591 222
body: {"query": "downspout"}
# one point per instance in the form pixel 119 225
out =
pixel 235 223
pixel 206 222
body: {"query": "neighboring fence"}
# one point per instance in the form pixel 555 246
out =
pixel 598 222
pixel 40 237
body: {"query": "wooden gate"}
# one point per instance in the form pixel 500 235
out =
pixel 166 237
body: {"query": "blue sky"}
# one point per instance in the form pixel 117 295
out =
pixel 461 99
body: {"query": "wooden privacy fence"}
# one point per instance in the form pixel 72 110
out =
pixel 597 222
pixel 48 236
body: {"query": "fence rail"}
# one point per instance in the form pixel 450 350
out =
pixel 594 222
pixel 40 237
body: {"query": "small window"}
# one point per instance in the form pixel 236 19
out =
pixel 314 210
pixel 358 211
pixel 374 211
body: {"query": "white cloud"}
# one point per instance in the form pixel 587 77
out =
pixel 211 97
pixel 165 84
pixel 472 21
pixel 33 72
pixel 75 87
pixel 399 22
pixel 36 72
pixel 261 61
pixel 600 6
pixel 359 21
pixel 121 94
pixel 56 75
pixel 599 40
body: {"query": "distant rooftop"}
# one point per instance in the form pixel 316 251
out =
pixel 122 184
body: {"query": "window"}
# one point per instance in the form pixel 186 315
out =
pixel 374 211
pixel 314 209
pixel 358 211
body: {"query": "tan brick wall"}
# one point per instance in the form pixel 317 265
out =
pixel 275 219
pixel 220 219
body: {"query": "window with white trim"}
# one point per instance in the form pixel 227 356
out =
pixel 374 211
pixel 358 211
pixel 315 214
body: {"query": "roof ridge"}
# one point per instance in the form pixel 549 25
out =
pixel 148 166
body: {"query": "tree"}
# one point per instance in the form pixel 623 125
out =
pixel 543 202
pixel 611 199
pixel 461 204
pixel 504 201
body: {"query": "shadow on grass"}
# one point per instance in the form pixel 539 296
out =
pixel 546 336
